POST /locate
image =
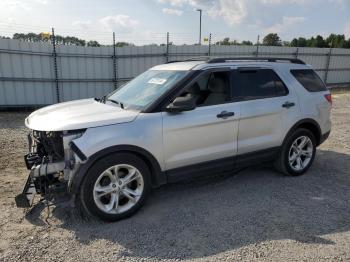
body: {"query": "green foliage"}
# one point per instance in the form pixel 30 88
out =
pixel 245 42
pixel 59 40
pixel 272 40
pixel 121 44
pixel 226 41
pixel 93 43
pixel 333 40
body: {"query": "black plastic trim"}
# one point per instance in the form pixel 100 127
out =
pixel 200 169
pixel 228 164
pixel 305 121
pixel 268 59
pixel 324 137
pixel 158 177
pixel 77 151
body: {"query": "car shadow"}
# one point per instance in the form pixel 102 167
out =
pixel 218 214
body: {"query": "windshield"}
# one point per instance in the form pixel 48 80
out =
pixel 146 88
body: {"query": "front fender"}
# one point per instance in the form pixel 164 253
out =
pixel 158 177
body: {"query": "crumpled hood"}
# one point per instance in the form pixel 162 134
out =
pixel 78 114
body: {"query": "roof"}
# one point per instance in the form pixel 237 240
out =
pixel 181 66
pixel 193 64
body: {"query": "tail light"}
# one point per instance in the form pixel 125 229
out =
pixel 328 98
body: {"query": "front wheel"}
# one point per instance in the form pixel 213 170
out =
pixel 298 153
pixel 115 187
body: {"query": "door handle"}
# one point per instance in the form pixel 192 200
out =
pixel 288 104
pixel 225 114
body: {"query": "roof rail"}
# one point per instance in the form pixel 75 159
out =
pixel 195 58
pixel 268 59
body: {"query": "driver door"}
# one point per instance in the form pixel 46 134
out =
pixel 205 137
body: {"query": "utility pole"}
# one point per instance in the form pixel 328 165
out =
pixel 55 68
pixel 200 26
pixel 115 68
pixel 257 47
pixel 167 47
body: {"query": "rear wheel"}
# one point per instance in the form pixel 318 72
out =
pixel 115 187
pixel 298 153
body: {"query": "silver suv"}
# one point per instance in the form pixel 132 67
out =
pixel 175 121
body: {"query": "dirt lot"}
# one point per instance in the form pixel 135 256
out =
pixel 256 214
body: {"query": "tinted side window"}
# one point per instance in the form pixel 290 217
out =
pixel 211 88
pixel 309 80
pixel 260 83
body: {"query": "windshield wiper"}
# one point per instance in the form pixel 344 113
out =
pixel 116 102
pixel 101 100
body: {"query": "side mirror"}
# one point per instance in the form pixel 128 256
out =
pixel 180 104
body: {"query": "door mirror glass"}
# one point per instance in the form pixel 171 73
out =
pixel 181 103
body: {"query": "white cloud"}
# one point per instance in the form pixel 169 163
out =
pixel 20 4
pixel 285 24
pixel 174 2
pixel 119 23
pixel 347 30
pixel 235 12
pixel 170 11
pixel 14 4
pixel 298 2
pixel 232 11
pixel 82 24
pixel 44 2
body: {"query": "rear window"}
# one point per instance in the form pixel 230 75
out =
pixel 309 80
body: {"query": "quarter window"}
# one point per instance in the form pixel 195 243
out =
pixel 260 83
pixel 309 80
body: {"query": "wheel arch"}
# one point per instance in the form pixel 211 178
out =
pixel 157 176
pixel 309 124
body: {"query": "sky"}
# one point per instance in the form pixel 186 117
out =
pixel 148 21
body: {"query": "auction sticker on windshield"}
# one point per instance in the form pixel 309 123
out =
pixel 157 81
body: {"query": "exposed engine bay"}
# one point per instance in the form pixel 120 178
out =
pixel 51 162
pixel 44 146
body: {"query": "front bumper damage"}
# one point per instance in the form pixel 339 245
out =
pixel 52 166
pixel 40 178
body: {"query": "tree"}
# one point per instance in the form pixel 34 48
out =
pixel 302 42
pixel 225 41
pixel 320 42
pixel 294 42
pixel 121 44
pixel 93 43
pixel 245 42
pixel 272 40
pixel 337 41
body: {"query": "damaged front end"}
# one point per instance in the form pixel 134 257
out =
pixel 52 161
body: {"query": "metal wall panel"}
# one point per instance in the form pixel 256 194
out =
pixel 27 74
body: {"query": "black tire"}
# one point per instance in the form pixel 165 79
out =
pixel 282 163
pixel 86 197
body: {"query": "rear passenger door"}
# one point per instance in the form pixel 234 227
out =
pixel 266 107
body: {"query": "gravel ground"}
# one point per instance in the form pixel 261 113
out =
pixel 256 214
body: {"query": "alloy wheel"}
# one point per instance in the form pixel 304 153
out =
pixel 300 153
pixel 118 189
